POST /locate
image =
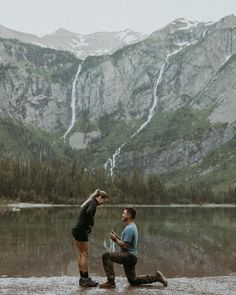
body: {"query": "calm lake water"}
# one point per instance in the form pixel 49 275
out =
pixel 189 242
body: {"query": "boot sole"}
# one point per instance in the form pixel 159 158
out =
pixel 88 286
pixel 162 279
pixel 107 287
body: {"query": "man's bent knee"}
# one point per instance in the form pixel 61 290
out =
pixel 105 255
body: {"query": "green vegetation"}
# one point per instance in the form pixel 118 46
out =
pixel 58 182
pixel 63 75
pixel 40 56
pixel 92 61
pixel 218 169
pixel 57 66
pixel 168 127
pixel 114 133
pixel 23 142
pixel 31 171
pixel 83 124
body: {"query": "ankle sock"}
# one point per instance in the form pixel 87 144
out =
pixel 84 274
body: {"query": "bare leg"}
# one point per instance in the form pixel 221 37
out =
pixel 82 248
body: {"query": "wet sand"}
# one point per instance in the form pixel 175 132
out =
pixel 225 285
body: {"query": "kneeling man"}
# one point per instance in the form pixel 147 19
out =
pixel 128 255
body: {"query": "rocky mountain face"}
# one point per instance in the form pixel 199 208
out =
pixel 164 105
pixel 35 83
pixel 81 45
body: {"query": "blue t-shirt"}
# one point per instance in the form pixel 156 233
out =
pixel 130 236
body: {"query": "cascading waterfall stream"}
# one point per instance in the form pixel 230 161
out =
pixel 73 100
pixel 111 162
pixel 155 101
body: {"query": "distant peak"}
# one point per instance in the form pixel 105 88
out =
pixel 229 18
pixel 128 30
pixel 184 21
pixel 181 19
pixel 62 31
pixel 228 21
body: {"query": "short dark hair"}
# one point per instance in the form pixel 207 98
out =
pixel 132 212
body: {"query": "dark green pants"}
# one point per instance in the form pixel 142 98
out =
pixel 128 261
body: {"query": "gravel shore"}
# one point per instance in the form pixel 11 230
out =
pixel 64 285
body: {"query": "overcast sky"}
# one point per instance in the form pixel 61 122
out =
pixel 42 17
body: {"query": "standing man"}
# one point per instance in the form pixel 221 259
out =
pixel 128 255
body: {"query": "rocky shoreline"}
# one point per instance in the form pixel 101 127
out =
pixel 65 285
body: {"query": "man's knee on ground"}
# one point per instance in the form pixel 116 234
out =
pixel 132 282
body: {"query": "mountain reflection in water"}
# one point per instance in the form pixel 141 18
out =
pixel 187 242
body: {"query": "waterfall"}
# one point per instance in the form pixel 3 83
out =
pixel 73 100
pixel 155 101
pixel 109 246
pixel 111 162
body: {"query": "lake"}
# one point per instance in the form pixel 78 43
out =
pixel 179 241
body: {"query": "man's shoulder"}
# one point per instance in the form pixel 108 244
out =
pixel 131 226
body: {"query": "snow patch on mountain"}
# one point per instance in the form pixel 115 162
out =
pixel 186 23
pixel 81 45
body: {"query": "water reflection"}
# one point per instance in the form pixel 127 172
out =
pixel 178 241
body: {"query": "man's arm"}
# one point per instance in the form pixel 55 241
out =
pixel 118 241
pixel 114 233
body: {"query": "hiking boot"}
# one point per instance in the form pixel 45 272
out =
pixel 108 285
pixel 87 282
pixel 160 278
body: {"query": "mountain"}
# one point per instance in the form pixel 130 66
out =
pixel 164 105
pixel 92 44
pixel 24 37
pixel 81 45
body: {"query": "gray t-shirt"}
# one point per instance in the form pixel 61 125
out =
pixel 130 236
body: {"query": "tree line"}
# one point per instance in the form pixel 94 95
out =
pixel 71 183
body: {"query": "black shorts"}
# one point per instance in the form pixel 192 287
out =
pixel 80 235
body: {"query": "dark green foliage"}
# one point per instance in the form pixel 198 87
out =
pixel 40 56
pixel 60 182
pixel 218 169
pixel 92 61
pixel 64 75
pixel 193 193
pixel 69 183
pixel 184 123
pixel 106 123
pixel 54 65
pixel 22 142
pixel 114 132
